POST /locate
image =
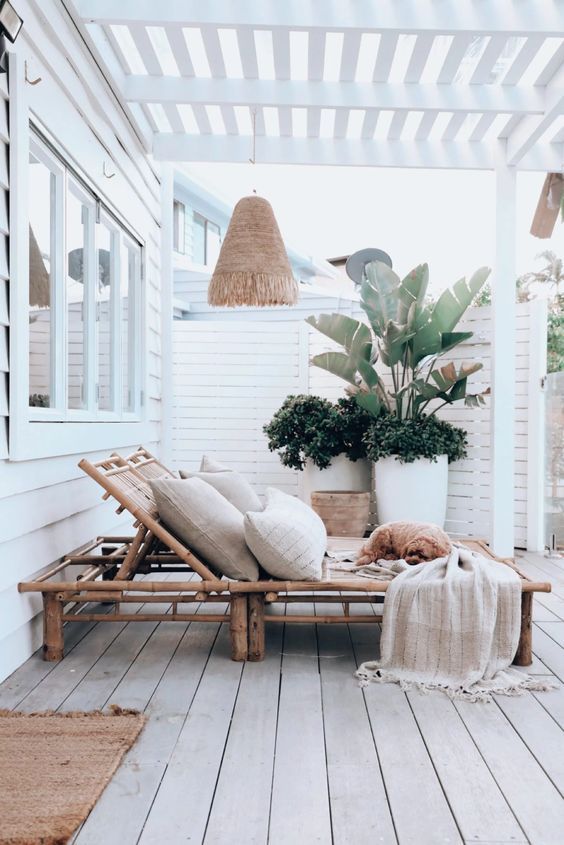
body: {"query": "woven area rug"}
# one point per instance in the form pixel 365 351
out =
pixel 54 767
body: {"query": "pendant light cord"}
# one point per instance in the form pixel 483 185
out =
pixel 253 158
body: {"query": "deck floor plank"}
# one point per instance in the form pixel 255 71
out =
pixel 300 807
pixel 398 740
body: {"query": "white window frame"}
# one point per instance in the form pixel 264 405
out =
pixel 48 432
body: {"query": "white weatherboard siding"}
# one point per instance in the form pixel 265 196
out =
pixel 48 507
pixel 229 378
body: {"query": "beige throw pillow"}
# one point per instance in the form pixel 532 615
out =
pixel 230 484
pixel 210 526
pixel 287 538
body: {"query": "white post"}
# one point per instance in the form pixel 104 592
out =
pixel 503 362
pixel 167 196
pixel 536 426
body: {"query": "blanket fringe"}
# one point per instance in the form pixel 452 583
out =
pixel 370 673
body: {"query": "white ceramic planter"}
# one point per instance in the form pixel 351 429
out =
pixel 341 475
pixel 415 492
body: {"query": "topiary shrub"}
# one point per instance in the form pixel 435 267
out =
pixel 408 440
pixel 310 427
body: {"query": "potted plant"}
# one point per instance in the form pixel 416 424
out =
pixel 327 441
pixel 394 370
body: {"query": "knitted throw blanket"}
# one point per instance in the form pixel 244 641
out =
pixel 452 624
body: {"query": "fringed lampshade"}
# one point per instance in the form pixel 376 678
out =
pixel 253 267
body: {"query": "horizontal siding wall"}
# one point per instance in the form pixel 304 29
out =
pixel 48 507
pixel 229 378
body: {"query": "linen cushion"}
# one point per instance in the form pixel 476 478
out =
pixel 209 525
pixel 209 464
pixel 287 538
pixel 230 484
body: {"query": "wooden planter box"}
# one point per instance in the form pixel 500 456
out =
pixel 344 514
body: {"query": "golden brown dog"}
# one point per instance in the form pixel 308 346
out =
pixel 415 542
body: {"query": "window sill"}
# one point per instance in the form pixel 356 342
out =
pixel 39 439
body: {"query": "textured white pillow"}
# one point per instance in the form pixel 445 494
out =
pixel 287 538
pixel 230 484
pixel 209 464
pixel 209 525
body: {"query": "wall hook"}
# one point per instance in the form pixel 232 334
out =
pixel 28 80
pixel 106 173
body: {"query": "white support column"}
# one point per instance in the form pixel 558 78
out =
pixel 167 196
pixel 536 427
pixel 503 362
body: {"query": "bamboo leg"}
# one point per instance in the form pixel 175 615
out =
pixel 524 653
pixel 53 641
pixel 238 626
pixel 256 627
pixel 130 563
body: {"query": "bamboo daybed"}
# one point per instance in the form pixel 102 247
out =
pixel 112 562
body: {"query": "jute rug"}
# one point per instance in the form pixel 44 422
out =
pixel 54 767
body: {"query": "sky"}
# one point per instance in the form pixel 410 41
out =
pixel 446 218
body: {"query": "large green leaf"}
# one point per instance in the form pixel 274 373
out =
pixel 337 363
pixel 445 315
pixel 353 335
pixel 370 403
pixel 412 291
pixel 445 377
pixel 395 338
pixel 380 295
pixel 369 375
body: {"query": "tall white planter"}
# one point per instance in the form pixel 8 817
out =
pixel 415 492
pixel 341 475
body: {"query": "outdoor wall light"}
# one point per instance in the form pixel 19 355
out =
pixel 10 25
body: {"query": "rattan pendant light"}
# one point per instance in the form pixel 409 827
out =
pixel 252 268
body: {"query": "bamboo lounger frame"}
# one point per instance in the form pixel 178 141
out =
pixel 153 549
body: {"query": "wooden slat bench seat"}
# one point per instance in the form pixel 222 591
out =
pixel 112 562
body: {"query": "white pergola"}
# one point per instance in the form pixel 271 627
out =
pixel 462 84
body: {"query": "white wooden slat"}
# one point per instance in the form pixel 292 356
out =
pixel 285 121
pixel 4 364
pixel 313 122
pixel 453 126
pixel 385 57
pixel 229 119
pixel 4 409
pixel 4 312
pixel 419 57
pixel 522 60
pixel 316 55
pixel 482 72
pixel 248 52
pixel 341 123
pixel 397 124
pixel 453 58
pixel 115 45
pixel 369 123
pixel 149 116
pixel 281 52
pixel 179 49
pixel 512 123
pixel 259 121
pixel 4 131
pixel 349 56
pixel 552 67
pixel 173 116
pixel 482 127
pixel 426 125
pixel 214 52
pixel 202 119
pixel 146 49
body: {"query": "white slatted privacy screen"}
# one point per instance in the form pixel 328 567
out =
pixel 230 377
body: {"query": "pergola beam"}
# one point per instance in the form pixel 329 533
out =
pixel 509 17
pixel 343 151
pixel 532 129
pixel 283 92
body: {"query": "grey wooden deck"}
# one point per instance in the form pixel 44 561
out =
pixel 292 751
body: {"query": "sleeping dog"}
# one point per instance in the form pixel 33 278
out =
pixel 415 542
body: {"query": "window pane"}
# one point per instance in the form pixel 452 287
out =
pixel 78 272
pixel 178 226
pixel 213 243
pixel 42 197
pixel 130 275
pixel 199 239
pixel 105 250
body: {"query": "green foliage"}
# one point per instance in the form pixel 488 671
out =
pixel 409 334
pixel 422 437
pixel 550 280
pixel 311 427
